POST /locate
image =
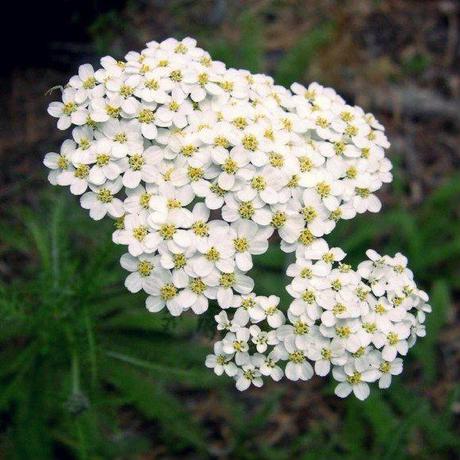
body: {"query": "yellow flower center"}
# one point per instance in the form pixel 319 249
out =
pixel 69 108
pixel 258 183
pixel 136 162
pixel 81 171
pixel 180 49
pixel 240 122
pixel 200 228
pixel 121 138
pixel 306 273
pixel 339 309
pixel 326 354
pixel 104 195
pixel 354 379
pixel 250 142
pixel 126 91
pixel 203 79
pixel 144 200
pixel 179 260
pixel 112 111
pixel 392 338
pixel 227 280
pixel 343 331
pixel 246 209
pixel 144 267
pixel 140 232
pixel 276 159
pixel 362 192
pixel 62 162
pixel 188 150
pixel 213 255
pixel 221 141
pixel 197 286
pixel 301 328
pixel 308 296
pixel 296 357
pixel 230 166
pixel 240 244
pixel 309 213
pixel 176 75
pixel 278 219
pixel 168 291
pixel 195 174
pixel 323 189
pixel 89 83
pixel 305 164
pixel 102 159
pixel 306 237
pixel 167 231
pixel 370 328
pixel 152 84
pixel 146 116
pixel 174 203
pixel 385 367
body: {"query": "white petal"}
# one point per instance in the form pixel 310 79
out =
pixel 133 282
pixel 342 390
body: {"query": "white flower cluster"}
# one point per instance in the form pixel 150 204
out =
pixel 200 165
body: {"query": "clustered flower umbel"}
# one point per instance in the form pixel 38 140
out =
pixel 199 165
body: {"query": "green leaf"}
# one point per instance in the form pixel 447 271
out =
pixel 153 400
pixel 426 348
pixel 194 377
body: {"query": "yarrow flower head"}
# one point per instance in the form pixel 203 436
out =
pixel 200 165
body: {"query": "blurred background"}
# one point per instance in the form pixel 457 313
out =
pixel 87 373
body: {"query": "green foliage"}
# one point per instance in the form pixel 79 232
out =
pixel 104 31
pixel 76 348
pixel 296 61
pixel 425 351
pixel 416 64
pixel 248 52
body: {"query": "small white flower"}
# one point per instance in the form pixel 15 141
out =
pixel 248 239
pixel 59 162
pixel 262 338
pixel 104 165
pixel 141 269
pixel 125 136
pixel 137 236
pixel 239 320
pixel 101 200
pixel 237 343
pixel 386 369
pixel 353 381
pixel 221 362
pixel 394 341
pixel 85 84
pixel 228 282
pixel 297 368
pixel 269 367
pixel 163 292
pixel 247 375
pixel 141 167
pixel 267 308
pixel 68 111
pixel 326 352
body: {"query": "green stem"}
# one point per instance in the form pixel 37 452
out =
pixel 75 376
pixel 91 347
